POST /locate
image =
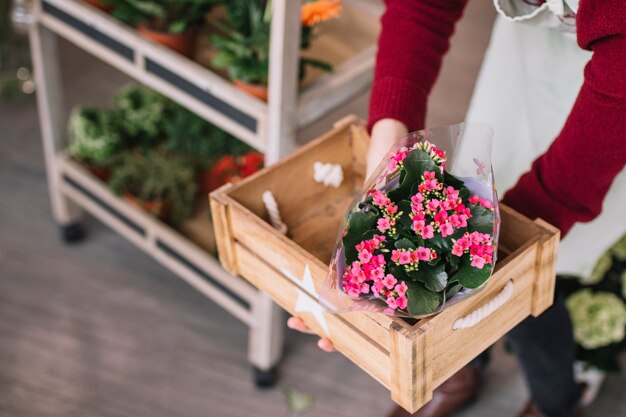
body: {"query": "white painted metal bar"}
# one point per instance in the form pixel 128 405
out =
pixel 153 232
pixel 52 118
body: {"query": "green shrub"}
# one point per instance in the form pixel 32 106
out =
pixel 94 135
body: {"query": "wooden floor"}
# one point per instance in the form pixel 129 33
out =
pixel 99 329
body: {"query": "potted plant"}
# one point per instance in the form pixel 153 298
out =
pixel 104 5
pixel 200 143
pixel 94 139
pixel 159 182
pixel 172 23
pixel 142 114
pixel 243 46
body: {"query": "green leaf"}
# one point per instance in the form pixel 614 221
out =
pixel 359 223
pixel 405 219
pixel 405 243
pixel 422 301
pixel 471 277
pixel 481 220
pixel 443 244
pixel 178 27
pixel 453 290
pixel 450 179
pixel 435 277
pixel 415 164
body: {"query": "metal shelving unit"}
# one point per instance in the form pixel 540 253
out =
pixel 269 127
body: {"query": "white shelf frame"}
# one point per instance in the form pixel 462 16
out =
pixel 270 128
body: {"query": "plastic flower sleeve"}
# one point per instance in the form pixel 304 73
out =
pixel 423 233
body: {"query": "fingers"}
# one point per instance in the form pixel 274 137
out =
pixel 296 324
pixel 326 345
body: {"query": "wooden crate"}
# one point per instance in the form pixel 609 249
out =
pixel 409 358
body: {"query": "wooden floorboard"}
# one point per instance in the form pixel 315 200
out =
pixel 100 329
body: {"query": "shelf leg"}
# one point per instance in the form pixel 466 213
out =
pixel 283 79
pixel 265 346
pixel 52 119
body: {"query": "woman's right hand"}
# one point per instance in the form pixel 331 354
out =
pixel 384 134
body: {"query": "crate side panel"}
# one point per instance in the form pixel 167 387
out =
pixel 355 344
pixel 448 356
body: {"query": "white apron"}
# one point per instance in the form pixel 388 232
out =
pixel 529 80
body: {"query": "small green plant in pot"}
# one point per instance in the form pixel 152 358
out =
pixel 94 138
pixel 199 142
pixel 243 46
pixel 159 182
pixel 142 112
pixel 172 23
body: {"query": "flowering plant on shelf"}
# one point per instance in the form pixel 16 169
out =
pixel 419 236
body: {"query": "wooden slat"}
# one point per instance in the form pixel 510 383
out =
pixel 347 339
pixel 545 268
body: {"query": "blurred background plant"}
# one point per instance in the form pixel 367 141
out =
pixel 142 113
pixel 160 182
pixel 597 305
pixel 15 67
pixel 95 138
pixel 172 16
pixel 243 44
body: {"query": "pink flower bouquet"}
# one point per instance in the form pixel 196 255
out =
pixel 424 232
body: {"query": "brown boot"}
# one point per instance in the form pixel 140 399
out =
pixel 458 391
pixel 531 410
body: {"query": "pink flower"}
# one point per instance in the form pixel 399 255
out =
pixel 392 209
pixel 365 256
pixel 486 203
pixel 405 258
pixel 401 302
pixel 428 232
pixel 389 281
pixel 457 250
pixel 378 273
pixel 453 194
pixel 380 199
pixel 401 288
pixel 446 229
pixel 377 288
pixel 365 288
pixel 395 255
pixel 429 175
pixel 433 205
pixel 391 302
pixel 430 185
pixel 417 198
pixel 441 217
pixel 474 200
pixel 423 254
pixel 384 224
pixel 478 262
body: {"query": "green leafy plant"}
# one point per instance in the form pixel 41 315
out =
pixel 94 135
pixel 142 112
pixel 173 16
pixel 157 175
pixel 243 46
pixel 197 140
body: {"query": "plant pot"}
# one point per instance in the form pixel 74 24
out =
pixel 105 7
pixel 257 90
pixel 158 208
pixel 183 43
pixel 101 172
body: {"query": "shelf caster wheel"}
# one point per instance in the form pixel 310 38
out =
pixel 72 233
pixel 265 379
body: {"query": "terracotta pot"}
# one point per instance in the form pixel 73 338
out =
pixel 105 7
pixel 183 43
pixel 103 173
pixel 158 208
pixel 257 90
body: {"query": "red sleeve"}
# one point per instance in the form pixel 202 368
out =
pixel 568 183
pixel 415 36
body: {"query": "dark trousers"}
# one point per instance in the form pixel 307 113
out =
pixel 546 351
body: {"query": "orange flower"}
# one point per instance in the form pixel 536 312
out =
pixel 319 11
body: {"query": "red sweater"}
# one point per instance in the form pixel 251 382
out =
pixel 566 184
